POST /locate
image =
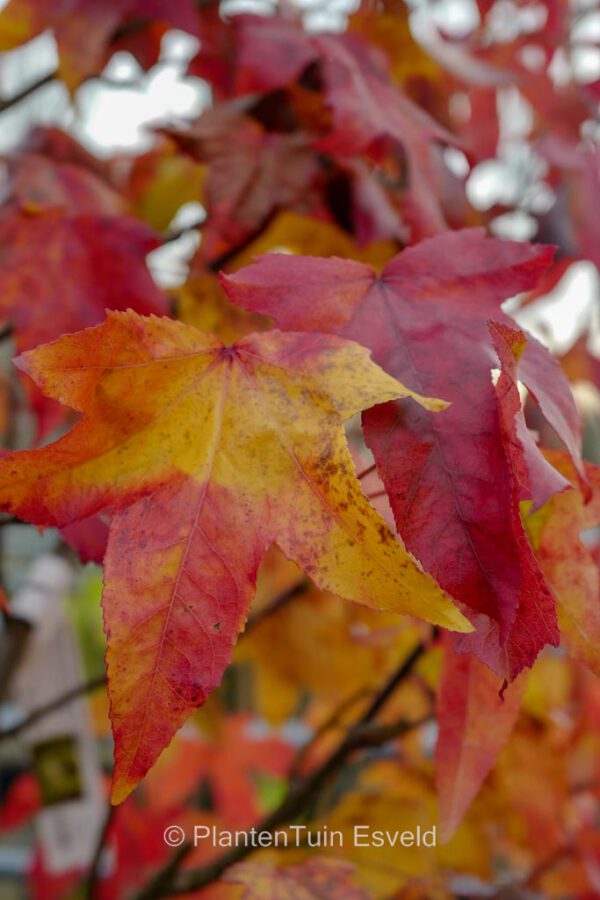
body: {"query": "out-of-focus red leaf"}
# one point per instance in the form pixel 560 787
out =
pixel 227 763
pixel 366 106
pixel 88 537
pixel 251 174
pixel 71 269
pixel 83 29
pixel 577 168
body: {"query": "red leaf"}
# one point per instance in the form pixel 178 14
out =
pixel 475 722
pixel 366 106
pixel 251 174
pixel 20 803
pixel 71 269
pixel 83 30
pixel 450 482
pixel 88 537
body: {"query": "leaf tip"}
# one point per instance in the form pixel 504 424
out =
pixel 121 789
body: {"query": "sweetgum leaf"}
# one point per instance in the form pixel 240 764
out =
pixel 451 482
pixel 207 454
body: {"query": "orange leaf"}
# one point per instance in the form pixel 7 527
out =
pixel 208 454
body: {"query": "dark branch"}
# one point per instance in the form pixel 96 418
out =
pixel 278 603
pixel 366 472
pixel 88 891
pixel 300 795
pixel 224 259
pixel 86 688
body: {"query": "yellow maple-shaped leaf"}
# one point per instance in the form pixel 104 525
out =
pixel 207 454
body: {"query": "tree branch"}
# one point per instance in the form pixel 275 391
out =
pixel 366 472
pixel 26 92
pixel 62 700
pixel 299 797
pixel 278 603
pixel 11 520
pixel 219 262
pixel 88 889
pixel 93 684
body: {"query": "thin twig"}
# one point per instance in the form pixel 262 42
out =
pixel 172 236
pixel 376 494
pixel 278 603
pixel 366 472
pixel 220 262
pixel 91 882
pixel 331 722
pixel 26 92
pixel 394 681
pixel 88 686
pixel 62 700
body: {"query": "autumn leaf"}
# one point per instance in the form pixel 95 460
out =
pixel 207 454
pixel 71 268
pixel 391 32
pixel 579 166
pixel 252 173
pixel 366 106
pixel 83 30
pixel 161 182
pixel 448 477
pixel 37 182
pixel 569 564
pixel 201 302
pixel 311 880
pixel 322 649
pixel 533 476
pixel 228 764
pixel 215 62
pixel 21 802
pixel 475 721
pixel 88 537
pixel 300 234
